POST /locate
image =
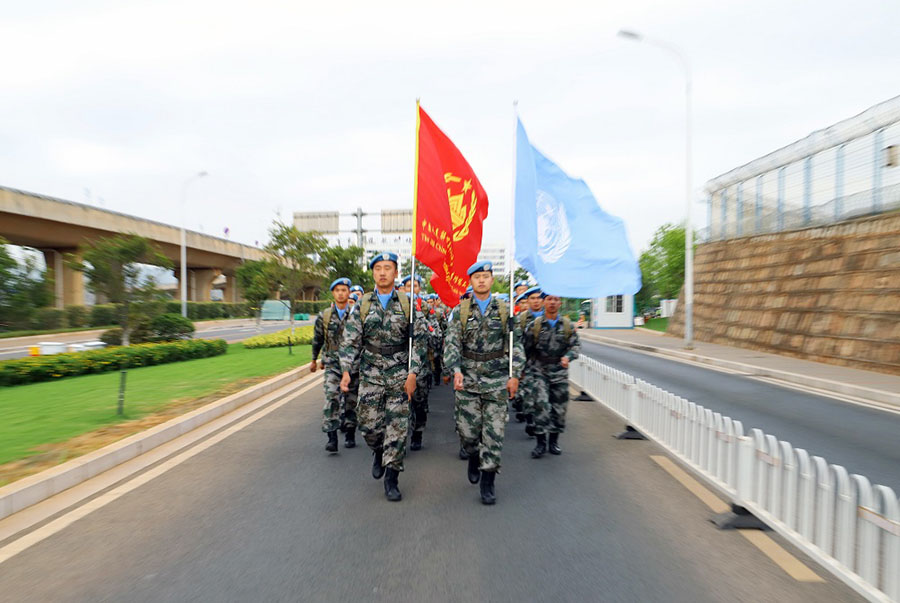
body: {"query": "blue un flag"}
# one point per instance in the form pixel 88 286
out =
pixel 571 246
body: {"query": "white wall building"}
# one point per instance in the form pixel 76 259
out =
pixel 613 312
pixel 495 254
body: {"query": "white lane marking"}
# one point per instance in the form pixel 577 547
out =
pixel 769 380
pixel 57 525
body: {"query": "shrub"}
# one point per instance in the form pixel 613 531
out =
pixel 310 307
pixel 112 336
pixel 76 316
pixel 103 315
pixel 20 371
pixel 171 327
pixel 45 319
pixel 302 336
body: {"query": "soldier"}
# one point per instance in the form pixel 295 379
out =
pixel 533 301
pixel 377 336
pixel 476 353
pixel 518 289
pixel 412 287
pixel 551 343
pixel 354 297
pixel 357 289
pixel 439 324
pixel 340 408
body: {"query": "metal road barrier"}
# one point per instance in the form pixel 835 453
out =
pixel 846 524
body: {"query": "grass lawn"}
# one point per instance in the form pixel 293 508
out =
pixel 55 411
pixel 657 324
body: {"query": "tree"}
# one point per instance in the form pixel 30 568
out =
pixel 422 271
pixel 23 289
pixel 293 267
pixel 113 268
pixel 662 266
pixel 341 262
pixel 254 279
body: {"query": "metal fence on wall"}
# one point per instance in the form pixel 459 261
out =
pixel 848 170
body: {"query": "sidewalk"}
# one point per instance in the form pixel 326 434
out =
pixel 876 387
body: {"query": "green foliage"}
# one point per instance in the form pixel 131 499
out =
pixel 311 307
pixel 205 310
pixel 112 266
pixel 102 315
pixel 662 267
pixel 23 289
pixel 48 318
pixel 20 371
pixel 255 282
pixel 347 262
pixel 76 317
pixel 302 336
pixel 171 327
pixel 293 267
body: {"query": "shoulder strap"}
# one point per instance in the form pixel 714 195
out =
pixel 365 304
pixel 404 304
pixel 536 327
pixel 504 312
pixel 465 309
pixel 567 327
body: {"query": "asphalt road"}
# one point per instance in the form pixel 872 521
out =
pixel 863 440
pixel 230 333
pixel 267 515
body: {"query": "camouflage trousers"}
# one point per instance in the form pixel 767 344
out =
pixel 420 403
pixel 526 393
pixel 550 398
pixel 480 423
pixel 384 421
pixel 335 414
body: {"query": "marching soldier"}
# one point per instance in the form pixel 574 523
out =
pixel 340 408
pixel 476 353
pixel 551 343
pixel 423 379
pixel 533 302
pixel 377 336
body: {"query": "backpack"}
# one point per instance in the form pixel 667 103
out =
pixel 536 327
pixel 326 320
pixel 465 310
pixel 366 303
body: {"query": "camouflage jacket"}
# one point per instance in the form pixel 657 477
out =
pixel 327 339
pixel 383 327
pixel 545 352
pixel 484 334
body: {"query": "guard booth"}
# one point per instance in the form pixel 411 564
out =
pixel 613 312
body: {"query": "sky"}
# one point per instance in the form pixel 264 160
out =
pixel 296 106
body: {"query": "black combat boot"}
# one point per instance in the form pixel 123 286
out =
pixel 541 446
pixel 377 469
pixel 350 438
pixel 331 446
pixel 391 491
pixel 463 455
pixel 473 473
pixel 529 425
pixel 554 444
pixel 416 441
pixel 487 488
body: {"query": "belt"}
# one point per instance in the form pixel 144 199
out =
pixel 482 357
pixel 386 350
pixel 548 359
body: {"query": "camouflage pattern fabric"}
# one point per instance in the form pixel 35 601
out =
pixel 383 408
pixel 326 340
pixel 420 401
pixel 525 396
pixel 550 384
pixel 481 406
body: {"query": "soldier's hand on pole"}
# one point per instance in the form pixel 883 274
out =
pixel 313 366
pixel 512 386
pixel 457 381
pixel 345 382
pixel 564 362
pixel 410 385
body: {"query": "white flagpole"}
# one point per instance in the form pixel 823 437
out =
pixel 412 280
pixel 512 241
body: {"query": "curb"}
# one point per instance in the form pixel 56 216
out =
pixel 35 488
pixel 875 395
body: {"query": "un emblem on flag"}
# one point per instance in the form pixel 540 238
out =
pixel 553 232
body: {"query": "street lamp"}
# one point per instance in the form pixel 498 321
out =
pixel 184 189
pixel 688 228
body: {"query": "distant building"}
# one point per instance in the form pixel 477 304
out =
pixel 495 254
pixel 613 312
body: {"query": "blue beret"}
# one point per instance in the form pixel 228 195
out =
pixel 354 297
pixel 532 291
pixel 520 284
pixel 340 281
pixel 406 279
pixel 387 256
pixel 480 267
pixel 503 296
pixel 469 289
pixel 356 288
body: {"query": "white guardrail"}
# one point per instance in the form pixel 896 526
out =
pixel 842 521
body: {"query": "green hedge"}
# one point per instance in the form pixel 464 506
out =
pixel 20 371
pixel 310 307
pixel 302 336
pixel 201 310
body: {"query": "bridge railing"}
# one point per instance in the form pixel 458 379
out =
pixel 846 524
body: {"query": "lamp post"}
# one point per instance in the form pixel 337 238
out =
pixel 688 227
pixel 184 189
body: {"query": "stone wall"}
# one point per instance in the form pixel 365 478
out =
pixel 829 294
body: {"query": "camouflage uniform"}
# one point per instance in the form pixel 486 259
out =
pixel 523 400
pixel 379 342
pixel 327 341
pixel 481 406
pixel 423 380
pixel 550 381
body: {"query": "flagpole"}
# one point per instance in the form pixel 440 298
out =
pixel 412 279
pixel 512 240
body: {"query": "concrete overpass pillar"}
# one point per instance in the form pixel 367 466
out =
pixel 203 282
pixel 232 292
pixel 191 281
pixel 68 283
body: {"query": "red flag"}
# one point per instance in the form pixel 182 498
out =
pixel 448 210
